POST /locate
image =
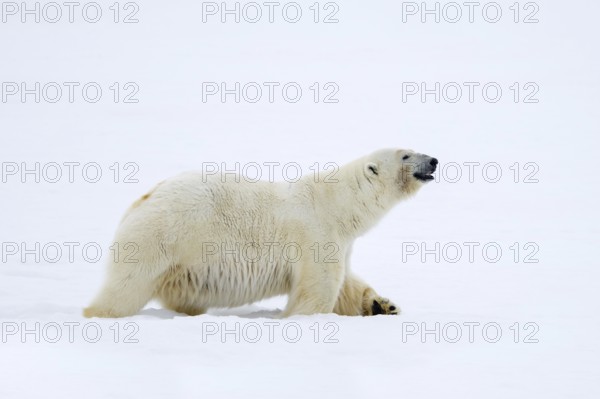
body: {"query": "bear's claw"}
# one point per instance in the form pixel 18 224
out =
pixel 383 306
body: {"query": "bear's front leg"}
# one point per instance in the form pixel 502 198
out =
pixel 376 304
pixel 357 298
pixel 315 288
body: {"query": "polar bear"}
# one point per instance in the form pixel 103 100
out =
pixel 197 241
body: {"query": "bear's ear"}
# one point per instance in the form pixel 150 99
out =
pixel 371 169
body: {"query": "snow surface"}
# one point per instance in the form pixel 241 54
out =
pixel 368 54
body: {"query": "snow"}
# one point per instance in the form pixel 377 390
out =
pixel 368 55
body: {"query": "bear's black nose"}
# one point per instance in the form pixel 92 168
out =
pixel 433 162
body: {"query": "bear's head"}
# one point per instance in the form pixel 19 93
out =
pixel 398 173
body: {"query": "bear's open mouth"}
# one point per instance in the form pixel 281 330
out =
pixel 423 176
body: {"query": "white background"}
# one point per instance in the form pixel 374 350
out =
pixel 368 54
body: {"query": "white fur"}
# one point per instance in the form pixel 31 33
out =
pixel 177 228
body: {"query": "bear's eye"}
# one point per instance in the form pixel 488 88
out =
pixel 406 157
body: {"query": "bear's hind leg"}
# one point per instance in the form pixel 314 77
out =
pixel 127 289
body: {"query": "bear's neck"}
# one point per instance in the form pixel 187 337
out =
pixel 349 206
